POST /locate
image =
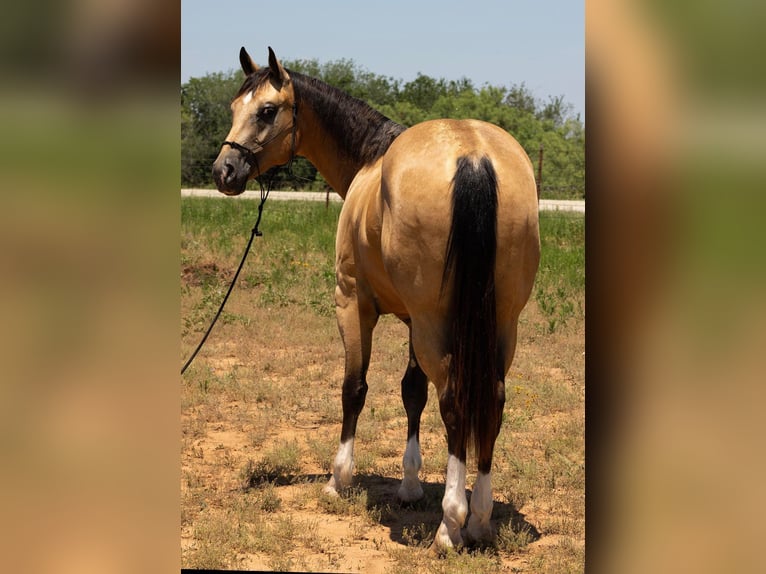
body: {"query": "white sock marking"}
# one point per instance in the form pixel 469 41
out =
pixel 343 467
pixel 481 508
pixel 410 490
pixel 454 504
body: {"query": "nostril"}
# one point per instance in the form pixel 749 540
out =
pixel 223 172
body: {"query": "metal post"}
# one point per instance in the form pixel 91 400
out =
pixel 540 172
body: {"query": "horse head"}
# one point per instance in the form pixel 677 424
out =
pixel 263 127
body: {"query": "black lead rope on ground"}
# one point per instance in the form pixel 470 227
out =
pixel 255 232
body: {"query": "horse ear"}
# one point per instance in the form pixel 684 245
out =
pixel 248 66
pixel 276 70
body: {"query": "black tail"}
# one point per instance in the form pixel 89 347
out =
pixel 470 262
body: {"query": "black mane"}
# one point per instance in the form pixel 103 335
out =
pixel 362 133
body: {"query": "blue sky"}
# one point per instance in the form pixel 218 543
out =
pixel 499 42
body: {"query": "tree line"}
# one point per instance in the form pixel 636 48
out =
pixel 206 119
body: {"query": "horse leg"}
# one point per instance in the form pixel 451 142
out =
pixel 454 503
pixel 356 320
pixel 479 527
pixel 414 396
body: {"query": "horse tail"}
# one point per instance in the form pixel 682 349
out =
pixel 470 262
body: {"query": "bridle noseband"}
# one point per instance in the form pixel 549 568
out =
pixel 250 154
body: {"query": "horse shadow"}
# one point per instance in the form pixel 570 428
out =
pixel 416 523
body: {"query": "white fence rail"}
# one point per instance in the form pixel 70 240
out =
pixel 545 204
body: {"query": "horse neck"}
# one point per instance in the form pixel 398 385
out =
pixel 325 153
pixel 339 134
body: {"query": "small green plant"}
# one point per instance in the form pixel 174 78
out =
pixel 555 306
pixel 353 501
pixel 420 536
pixel 278 465
pixel 269 500
pixel 513 540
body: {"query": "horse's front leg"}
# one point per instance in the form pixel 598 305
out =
pixel 414 396
pixel 357 318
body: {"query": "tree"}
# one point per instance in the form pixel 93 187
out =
pixel 521 98
pixel 423 91
pixel 556 111
pixel 206 119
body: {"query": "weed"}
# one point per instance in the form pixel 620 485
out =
pixel 352 501
pixel 420 536
pixel 280 464
pixel 513 540
pixel 219 538
pixel 269 499
pixel 322 450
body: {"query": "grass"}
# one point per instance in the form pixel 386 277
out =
pixel 261 411
pixel 560 281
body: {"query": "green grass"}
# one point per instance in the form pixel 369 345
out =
pixel 560 282
pixel 293 262
pixel 279 464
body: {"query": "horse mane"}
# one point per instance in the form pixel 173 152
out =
pixel 362 133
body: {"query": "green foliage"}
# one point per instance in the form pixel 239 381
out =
pixel 205 120
pixel 561 277
pixel 280 464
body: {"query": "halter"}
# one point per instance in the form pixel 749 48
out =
pixel 250 154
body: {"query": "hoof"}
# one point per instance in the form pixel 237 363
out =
pixel 479 536
pixel 329 489
pixel 444 543
pixel 440 550
pixel 479 531
pixel 411 494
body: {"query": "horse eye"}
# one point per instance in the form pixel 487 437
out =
pixel 267 113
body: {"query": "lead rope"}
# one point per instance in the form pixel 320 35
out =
pixel 254 232
pixel 265 191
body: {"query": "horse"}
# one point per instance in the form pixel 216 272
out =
pixel 439 227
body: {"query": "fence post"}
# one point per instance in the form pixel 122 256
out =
pixel 540 172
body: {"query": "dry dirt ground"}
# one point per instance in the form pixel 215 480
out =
pixel 260 423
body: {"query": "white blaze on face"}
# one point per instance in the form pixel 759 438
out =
pixel 248 97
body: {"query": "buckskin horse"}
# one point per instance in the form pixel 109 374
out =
pixel 439 226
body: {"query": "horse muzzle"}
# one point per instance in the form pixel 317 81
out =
pixel 231 172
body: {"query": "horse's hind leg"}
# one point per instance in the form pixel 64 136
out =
pixel 454 503
pixel 414 396
pixel 479 527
